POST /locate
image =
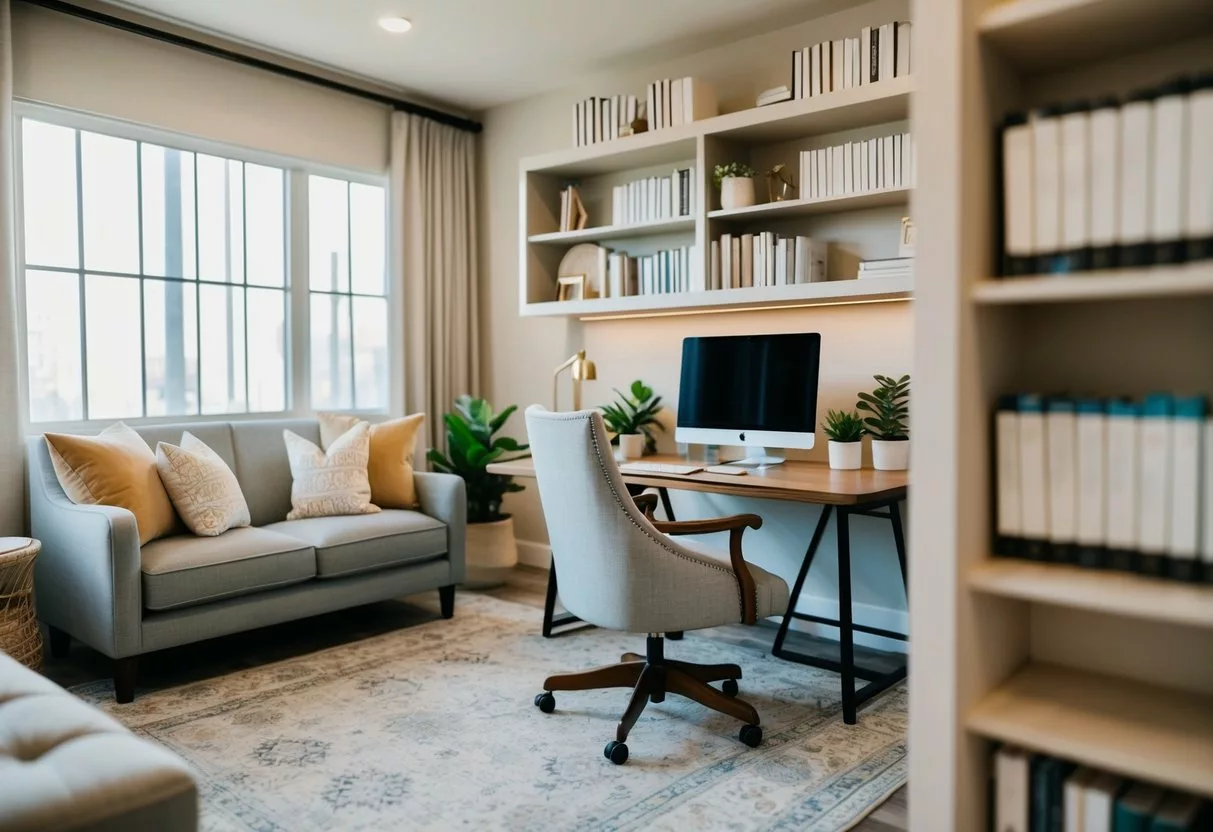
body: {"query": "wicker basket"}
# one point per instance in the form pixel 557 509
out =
pixel 19 633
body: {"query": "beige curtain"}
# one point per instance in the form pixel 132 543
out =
pixel 434 254
pixel 12 457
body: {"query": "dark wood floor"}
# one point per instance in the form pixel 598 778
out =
pixel 526 585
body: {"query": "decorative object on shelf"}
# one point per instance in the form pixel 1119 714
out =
pixel 471 446
pixel 736 183
pixel 583 370
pixel 773 96
pixel 889 406
pixel 909 238
pixel 570 287
pixel 588 260
pixel 19 633
pixel 633 419
pixel 573 216
pixel 845 431
pixel 779 184
pixel 638 125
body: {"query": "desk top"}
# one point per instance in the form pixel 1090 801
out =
pixel 805 482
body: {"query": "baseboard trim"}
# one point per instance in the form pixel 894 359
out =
pixel 531 553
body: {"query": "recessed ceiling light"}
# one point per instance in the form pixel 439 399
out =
pixel 396 25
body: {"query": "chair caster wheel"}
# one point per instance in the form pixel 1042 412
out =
pixel 751 735
pixel 616 752
pixel 545 702
pixel 729 687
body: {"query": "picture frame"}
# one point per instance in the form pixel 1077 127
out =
pixel 570 287
pixel 909 238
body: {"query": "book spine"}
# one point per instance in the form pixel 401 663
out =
pixel 1154 458
pixel 1033 477
pixel 1018 174
pixel 1008 510
pixel 1206 512
pixel 1121 486
pixel 1136 193
pixel 1199 214
pixel 874 55
pixel 1170 175
pixel 1187 453
pixel 904 40
pixel 1061 437
pixel 1091 429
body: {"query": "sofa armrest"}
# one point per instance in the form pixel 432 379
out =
pixel 87 577
pixel 444 497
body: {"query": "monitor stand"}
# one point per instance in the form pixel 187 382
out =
pixel 758 457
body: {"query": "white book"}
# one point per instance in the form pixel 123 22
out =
pixel 907 160
pixel 1074 799
pixel 1033 470
pixel 615 276
pixel 1011 791
pixel 888 51
pixel 714 278
pixel 735 262
pixel 1076 180
pixel 1187 454
pixel 676 108
pixel 1062 436
pixel 781 262
pixel 837 65
pixel 769 251
pixel 698 100
pixel 1018 173
pixel 815 69
pixel 797 76
pixel 897 151
pixel 747 260
pixel 1206 499
pixel 1104 124
pixel 756 260
pixel 848 169
pixel 1199 213
pixel 865 55
pixel 1170 168
pixel 823 168
pixel 840 181
pixel 886 159
pixel 1099 802
pixel 651 106
pixel 726 261
pixel 848 70
pixel 828 152
pixel 1121 476
pixel 871 181
pixel 1154 460
pixel 1091 430
pixel 1046 181
pixel 576 126
pixel 903 39
pixel 806 64
pixel 855 62
pixel 1135 168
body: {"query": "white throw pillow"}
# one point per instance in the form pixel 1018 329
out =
pixel 203 489
pixel 332 483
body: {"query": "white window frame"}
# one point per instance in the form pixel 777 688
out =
pixel 298 290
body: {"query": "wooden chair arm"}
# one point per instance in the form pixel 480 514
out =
pixel 647 503
pixel 715 524
pixel 735 526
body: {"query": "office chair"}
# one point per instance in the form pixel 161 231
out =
pixel 622 570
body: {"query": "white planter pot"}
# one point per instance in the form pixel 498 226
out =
pixel 631 446
pixel 891 455
pixel 736 192
pixel 846 456
pixel 492 551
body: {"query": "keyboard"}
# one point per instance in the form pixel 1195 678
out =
pixel 658 468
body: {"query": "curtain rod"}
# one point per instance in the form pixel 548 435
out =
pixel 131 27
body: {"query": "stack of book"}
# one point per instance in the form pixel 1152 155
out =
pixel 1110 184
pixel 671 103
pixel 601 119
pixel 1106 483
pixel 891 267
pixel 878 54
pixel 654 198
pixel 765 259
pixel 858 167
pixel 663 273
pixel 1036 792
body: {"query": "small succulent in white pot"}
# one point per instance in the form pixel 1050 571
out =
pixel 845 431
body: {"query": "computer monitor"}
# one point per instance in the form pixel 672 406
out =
pixel 759 391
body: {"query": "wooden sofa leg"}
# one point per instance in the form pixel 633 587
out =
pixel 61 643
pixel 446 596
pixel 125 672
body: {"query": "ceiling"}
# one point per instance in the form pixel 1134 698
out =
pixel 475 54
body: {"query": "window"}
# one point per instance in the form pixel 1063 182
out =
pixel 158 283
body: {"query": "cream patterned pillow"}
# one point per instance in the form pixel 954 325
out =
pixel 332 483
pixel 203 489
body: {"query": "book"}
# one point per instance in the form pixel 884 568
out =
pixel 1121 478
pixel 1199 213
pixel 1061 435
pixel 1153 466
pixel 1103 168
pixel 747 260
pixel 815 78
pixel 1011 792
pixel 1206 531
pixel 837 65
pixel 1074 799
pixel 698 100
pixel 1099 801
pixel 902 48
pixel 811 260
pixel 726 261
pixel 1135 165
pixel 676 108
pixel 735 262
pixel 1134 809
pixel 1033 477
pixel 1181 813
pixel 1008 522
pixel 1169 174
pixel 1048 775
pixel 888 53
pixel 1090 431
pixel 797 77
pixel 714 274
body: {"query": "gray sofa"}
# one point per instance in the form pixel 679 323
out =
pixel 94 583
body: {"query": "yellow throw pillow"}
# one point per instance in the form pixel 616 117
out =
pixel 327 484
pixel 391 466
pixel 203 489
pixel 114 468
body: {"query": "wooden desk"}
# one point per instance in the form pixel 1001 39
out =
pixel 865 492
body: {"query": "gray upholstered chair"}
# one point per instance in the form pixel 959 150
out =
pixel 621 570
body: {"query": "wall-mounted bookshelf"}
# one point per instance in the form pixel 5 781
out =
pixel 760 136
pixel 1157 282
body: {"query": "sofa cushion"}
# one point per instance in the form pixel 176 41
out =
pixel 360 543
pixel 185 570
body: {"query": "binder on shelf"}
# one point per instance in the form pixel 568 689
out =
pixel 1062 438
pixel 865 55
pixel 1011 790
pixel 1187 454
pixel 1091 432
pixel 1206 528
pixel 888 57
pixel 1046 187
pixel 1105 183
pixel 1099 802
pixel 1136 164
pixel 1169 174
pixel 902 68
pixel 836 65
pixel 1033 478
pixel 1073 799
pixel 1199 214
pixel 1181 813
pixel 1008 522
pixel 1048 776
pixel 1075 189
pixel 1135 807
pixel 1122 478
pixel 1018 175
pixel 747 260
pixel 1154 483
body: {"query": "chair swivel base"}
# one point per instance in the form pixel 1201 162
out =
pixel 651 677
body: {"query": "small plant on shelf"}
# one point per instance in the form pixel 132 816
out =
pixel 845 430
pixel 736 184
pixel 634 415
pixel 888 407
pixel 733 170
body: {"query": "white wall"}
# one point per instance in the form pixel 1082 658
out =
pixel 519 354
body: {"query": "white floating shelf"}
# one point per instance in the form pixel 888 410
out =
pixel 1040 36
pixel 721 300
pixel 614 232
pixel 809 207
pixel 1116 593
pixel 1129 728
pixel 1159 281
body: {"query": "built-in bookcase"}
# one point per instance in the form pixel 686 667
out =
pixel 858 227
pixel 1110 670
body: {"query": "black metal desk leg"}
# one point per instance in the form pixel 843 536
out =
pixel 899 539
pixel 846 632
pixel 822 522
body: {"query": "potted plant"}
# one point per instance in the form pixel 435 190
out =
pixel 736 183
pixel 632 421
pixel 845 430
pixel 471 447
pixel 889 409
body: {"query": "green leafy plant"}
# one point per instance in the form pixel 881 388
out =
pixel 471 447
pixel 889 408
pixel 844 426
pixel 636 413
pixel 733 169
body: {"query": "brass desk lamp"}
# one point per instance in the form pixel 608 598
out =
pixel 583 370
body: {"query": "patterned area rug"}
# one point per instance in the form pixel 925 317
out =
pixel 433 727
